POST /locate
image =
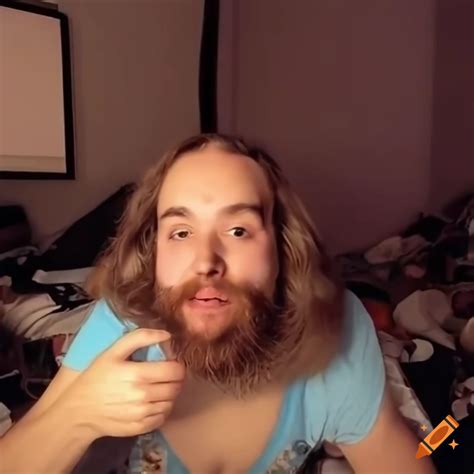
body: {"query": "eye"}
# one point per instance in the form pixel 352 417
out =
pixel 239 232
pixel 179 235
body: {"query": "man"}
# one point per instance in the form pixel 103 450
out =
pixel 252 354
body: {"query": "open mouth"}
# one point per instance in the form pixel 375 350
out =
pixel 210 294
pixel 207 303
pixel 220 300
pixel 209 297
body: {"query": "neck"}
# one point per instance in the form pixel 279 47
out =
pixel 210 392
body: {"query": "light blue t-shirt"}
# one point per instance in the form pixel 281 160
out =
pixel 340 405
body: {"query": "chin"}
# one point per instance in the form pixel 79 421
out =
pixel 206 334
pixel 207 326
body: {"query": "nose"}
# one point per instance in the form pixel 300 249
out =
pixel 208 263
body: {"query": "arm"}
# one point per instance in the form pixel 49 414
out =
pixel 112 397
pixel 47 429
pixel 389 447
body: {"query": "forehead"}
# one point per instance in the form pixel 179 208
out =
pixel 214 176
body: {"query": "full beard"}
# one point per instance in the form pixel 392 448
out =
pixel 258 339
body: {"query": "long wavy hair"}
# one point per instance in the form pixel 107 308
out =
pixel 307 289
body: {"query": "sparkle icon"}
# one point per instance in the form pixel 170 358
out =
pixel 439 434
pixel 423 427
pixel 453 444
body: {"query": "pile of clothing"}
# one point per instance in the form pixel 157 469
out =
pixel 40 312
pixel 419 289
pixel 42 300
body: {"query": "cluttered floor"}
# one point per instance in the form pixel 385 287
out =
pixel 419 289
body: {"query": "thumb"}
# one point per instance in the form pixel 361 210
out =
pixel 135 340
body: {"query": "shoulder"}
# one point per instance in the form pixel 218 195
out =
pixel 103 320
pixel 101 329
pixel 352 386
pixel 358 341
pixel 103 312
pixel 357 328
pixel 359 351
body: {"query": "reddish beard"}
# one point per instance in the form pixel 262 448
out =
pixel 244 352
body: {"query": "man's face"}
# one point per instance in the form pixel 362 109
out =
pixel 215 243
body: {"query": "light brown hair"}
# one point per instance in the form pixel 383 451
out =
pixel 307 288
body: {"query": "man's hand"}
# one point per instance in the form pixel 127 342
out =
pixel 389 448
pixel 117 397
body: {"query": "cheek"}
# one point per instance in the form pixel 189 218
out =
pixel 258 266
pixel 170 266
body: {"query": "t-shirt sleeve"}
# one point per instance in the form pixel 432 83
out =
pixel 99 332
pixel 355 381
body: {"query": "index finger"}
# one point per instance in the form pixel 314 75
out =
pixel 160 371
pixel 133 341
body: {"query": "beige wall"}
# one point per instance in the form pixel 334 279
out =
pixel 30 84
pixel 135 71
pixel 453 113
pixel 340 92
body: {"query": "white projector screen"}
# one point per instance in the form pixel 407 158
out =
pixel 36 135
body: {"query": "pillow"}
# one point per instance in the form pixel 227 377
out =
pixel 82 243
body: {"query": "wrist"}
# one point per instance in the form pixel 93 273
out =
pixel 75 422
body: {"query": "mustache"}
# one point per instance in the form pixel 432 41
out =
pixel 177 295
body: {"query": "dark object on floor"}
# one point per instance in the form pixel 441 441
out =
pixel 463 273
pixel 365 290
pixel 429 227
pixel 39 359
pixel 456 207
pixel 11 393
pixel 463 304
pixel 432 381
pixel 15 229
pixel 454 242
pixel 461 459
pixel 81 244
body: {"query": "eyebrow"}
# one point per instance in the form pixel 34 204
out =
pixel 240 207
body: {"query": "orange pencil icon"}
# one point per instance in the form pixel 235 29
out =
pixel 436 437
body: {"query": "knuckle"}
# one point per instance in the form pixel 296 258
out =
pixel 154 422
pixel 142 395
pixel 167 407
pixel 182 371
pixel 176 389
pixel 146 424
pixel 136 428
pixel 143 411
pixel 178 370
pixel 132 375
pixel 170 391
